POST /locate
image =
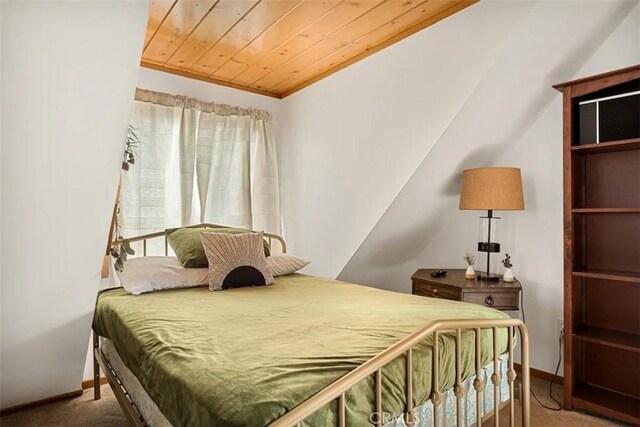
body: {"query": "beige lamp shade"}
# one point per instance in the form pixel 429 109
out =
pixel 497 189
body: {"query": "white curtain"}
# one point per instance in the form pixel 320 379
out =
pixel 199 162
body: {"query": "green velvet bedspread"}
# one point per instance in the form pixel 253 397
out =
pixel 243 357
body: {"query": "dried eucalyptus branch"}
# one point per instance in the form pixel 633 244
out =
pixel 122 249
pixel 128 158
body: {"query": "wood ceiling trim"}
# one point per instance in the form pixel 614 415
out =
pixel 335 62
pixel 208 79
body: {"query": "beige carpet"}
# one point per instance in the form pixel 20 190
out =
pixel 84 411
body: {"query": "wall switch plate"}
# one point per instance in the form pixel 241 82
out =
pixel 560 327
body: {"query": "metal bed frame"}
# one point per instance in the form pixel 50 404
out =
pixel 373 367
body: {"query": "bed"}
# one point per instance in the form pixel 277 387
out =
pixel 307 351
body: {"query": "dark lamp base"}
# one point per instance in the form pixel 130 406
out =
pixel 482 277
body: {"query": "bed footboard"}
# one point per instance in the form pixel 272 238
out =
pixel 337 390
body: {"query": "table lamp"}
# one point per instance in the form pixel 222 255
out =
pixel 491 189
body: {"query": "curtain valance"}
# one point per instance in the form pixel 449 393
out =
pixel 169 100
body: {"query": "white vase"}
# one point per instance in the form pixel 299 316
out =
pixel 470 273
pixel 508 275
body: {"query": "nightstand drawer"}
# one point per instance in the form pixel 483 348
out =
pixel 436 291
pixel 498 300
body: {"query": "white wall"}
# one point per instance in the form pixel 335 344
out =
pixel 371 156
pixel 69 71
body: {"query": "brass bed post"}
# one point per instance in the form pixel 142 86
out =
pixel 411 416
pixel 379 398
pixel 436 397
pixel 96 367
pixel 511 377
pixel 495 378
pixel 342 410
pixel 458 388
pixel 478 383
pixel 524 361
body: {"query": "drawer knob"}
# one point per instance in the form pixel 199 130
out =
pixel 435 292
pixel 489 300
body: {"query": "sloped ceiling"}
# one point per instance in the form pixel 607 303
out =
pixel 350 142
pixel 512 94
pixel 277 47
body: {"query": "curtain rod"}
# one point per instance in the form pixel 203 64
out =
pixel 170 100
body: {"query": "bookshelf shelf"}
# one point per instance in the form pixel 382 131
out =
pixel 608 147
pixel 608 337
pixel 605 210
pixel 621 276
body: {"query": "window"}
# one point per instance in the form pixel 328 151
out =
pixel 199 162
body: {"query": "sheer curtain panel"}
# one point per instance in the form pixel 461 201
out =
pixel 199 162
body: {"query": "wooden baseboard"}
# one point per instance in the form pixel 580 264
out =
pixel 89 383
pixel 85 385
pixel 543 375
pixel 44 401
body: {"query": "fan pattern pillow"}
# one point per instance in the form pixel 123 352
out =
pixel 236 260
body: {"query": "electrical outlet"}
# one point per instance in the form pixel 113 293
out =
pixel 560 327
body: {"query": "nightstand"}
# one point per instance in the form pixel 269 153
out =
pixel 500 295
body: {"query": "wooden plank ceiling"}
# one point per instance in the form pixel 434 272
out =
pixel 277 47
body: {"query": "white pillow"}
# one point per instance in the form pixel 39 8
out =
pixel 283 264
pixel 154 273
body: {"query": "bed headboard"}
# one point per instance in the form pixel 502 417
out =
pixel 269 237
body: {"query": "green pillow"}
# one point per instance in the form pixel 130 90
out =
pixel 187 245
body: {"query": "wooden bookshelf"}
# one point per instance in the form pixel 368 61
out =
pixel 601 154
